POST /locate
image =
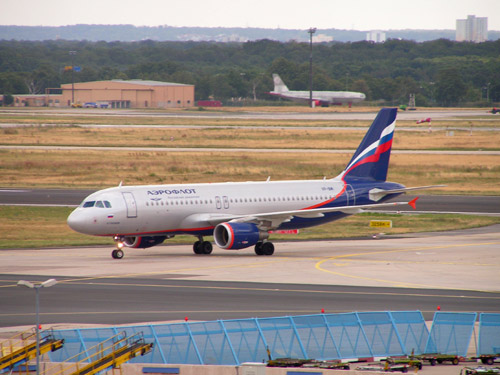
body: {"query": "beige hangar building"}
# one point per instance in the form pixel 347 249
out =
pixel 134 93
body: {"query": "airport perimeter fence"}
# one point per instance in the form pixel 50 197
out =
pixel 319 336
pixel 489 334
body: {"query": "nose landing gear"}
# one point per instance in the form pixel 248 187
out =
pixel 117 254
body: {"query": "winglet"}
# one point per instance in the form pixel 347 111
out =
pixel 413 202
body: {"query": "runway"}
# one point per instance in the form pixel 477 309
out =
pixel 457 271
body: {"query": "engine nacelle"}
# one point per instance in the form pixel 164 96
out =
pixel 236 235
pixel 142 242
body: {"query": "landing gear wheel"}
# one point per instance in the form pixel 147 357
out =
pixel 206 247
pixel 267 248
pixel 258 248
pixel 197 247
pixel 117 254
pixel 202 247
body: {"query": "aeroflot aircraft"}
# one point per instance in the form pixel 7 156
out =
pixel 241 214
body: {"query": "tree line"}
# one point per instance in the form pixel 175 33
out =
pixel 439 72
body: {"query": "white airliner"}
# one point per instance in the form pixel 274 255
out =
pixel 322 98
pixel 241 214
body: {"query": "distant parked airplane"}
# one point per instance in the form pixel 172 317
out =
pixel 242 214
pixel 322 98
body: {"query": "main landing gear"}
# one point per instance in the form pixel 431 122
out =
pixel 264 248
pixel 202 247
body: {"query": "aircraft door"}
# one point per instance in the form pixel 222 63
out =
pixel 218 202
pixel 131 205
pixel 350 195
pixel 226 202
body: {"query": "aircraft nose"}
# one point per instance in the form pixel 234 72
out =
pixel 77 222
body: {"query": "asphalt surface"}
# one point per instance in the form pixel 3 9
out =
pixel 457 271
pixel 426 203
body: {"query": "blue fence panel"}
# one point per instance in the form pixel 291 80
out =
pixel 93 337
pixel 451 333
pixel 348 334
pixel 73 346
pixel 321 336
pixel 281 337
pixel 412 330
pixel 246 340
pixel 147 332
pixel 381 333
pixel 316 337
pixel 489 334
pixel 177 344
pixel 212 343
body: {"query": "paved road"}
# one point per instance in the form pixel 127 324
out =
pixel 123 300
pixel 426 203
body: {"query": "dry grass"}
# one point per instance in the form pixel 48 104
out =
pixel 243 138
pixel 464 174
pixel 478 174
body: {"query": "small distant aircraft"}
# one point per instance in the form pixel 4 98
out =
pixel 242 214
pixel 320 98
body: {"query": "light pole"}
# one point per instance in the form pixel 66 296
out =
pixel 46 284
pixel 72 54
pixel 311 31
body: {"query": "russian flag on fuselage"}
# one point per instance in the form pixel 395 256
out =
pixel 371 159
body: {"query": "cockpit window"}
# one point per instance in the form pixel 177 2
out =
pixel 100 204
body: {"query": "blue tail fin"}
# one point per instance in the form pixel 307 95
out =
pixel 371 159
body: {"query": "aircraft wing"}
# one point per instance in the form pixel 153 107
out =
pixel 272 220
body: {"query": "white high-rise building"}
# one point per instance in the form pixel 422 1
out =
pixel 375 36
pixel 472 29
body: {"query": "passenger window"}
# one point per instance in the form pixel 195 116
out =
pixel 99 204
pixel 89 204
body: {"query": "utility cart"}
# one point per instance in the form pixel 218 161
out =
pixel 437 358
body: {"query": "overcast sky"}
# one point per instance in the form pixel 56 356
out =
pixel 285 14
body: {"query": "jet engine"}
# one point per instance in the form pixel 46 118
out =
pixel 142 242
pixel 235 236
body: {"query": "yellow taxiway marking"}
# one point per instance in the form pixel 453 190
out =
pixel 319 265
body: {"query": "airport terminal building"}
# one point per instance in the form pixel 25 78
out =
pixel 134 93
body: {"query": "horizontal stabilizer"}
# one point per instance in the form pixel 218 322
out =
pixel 378 194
